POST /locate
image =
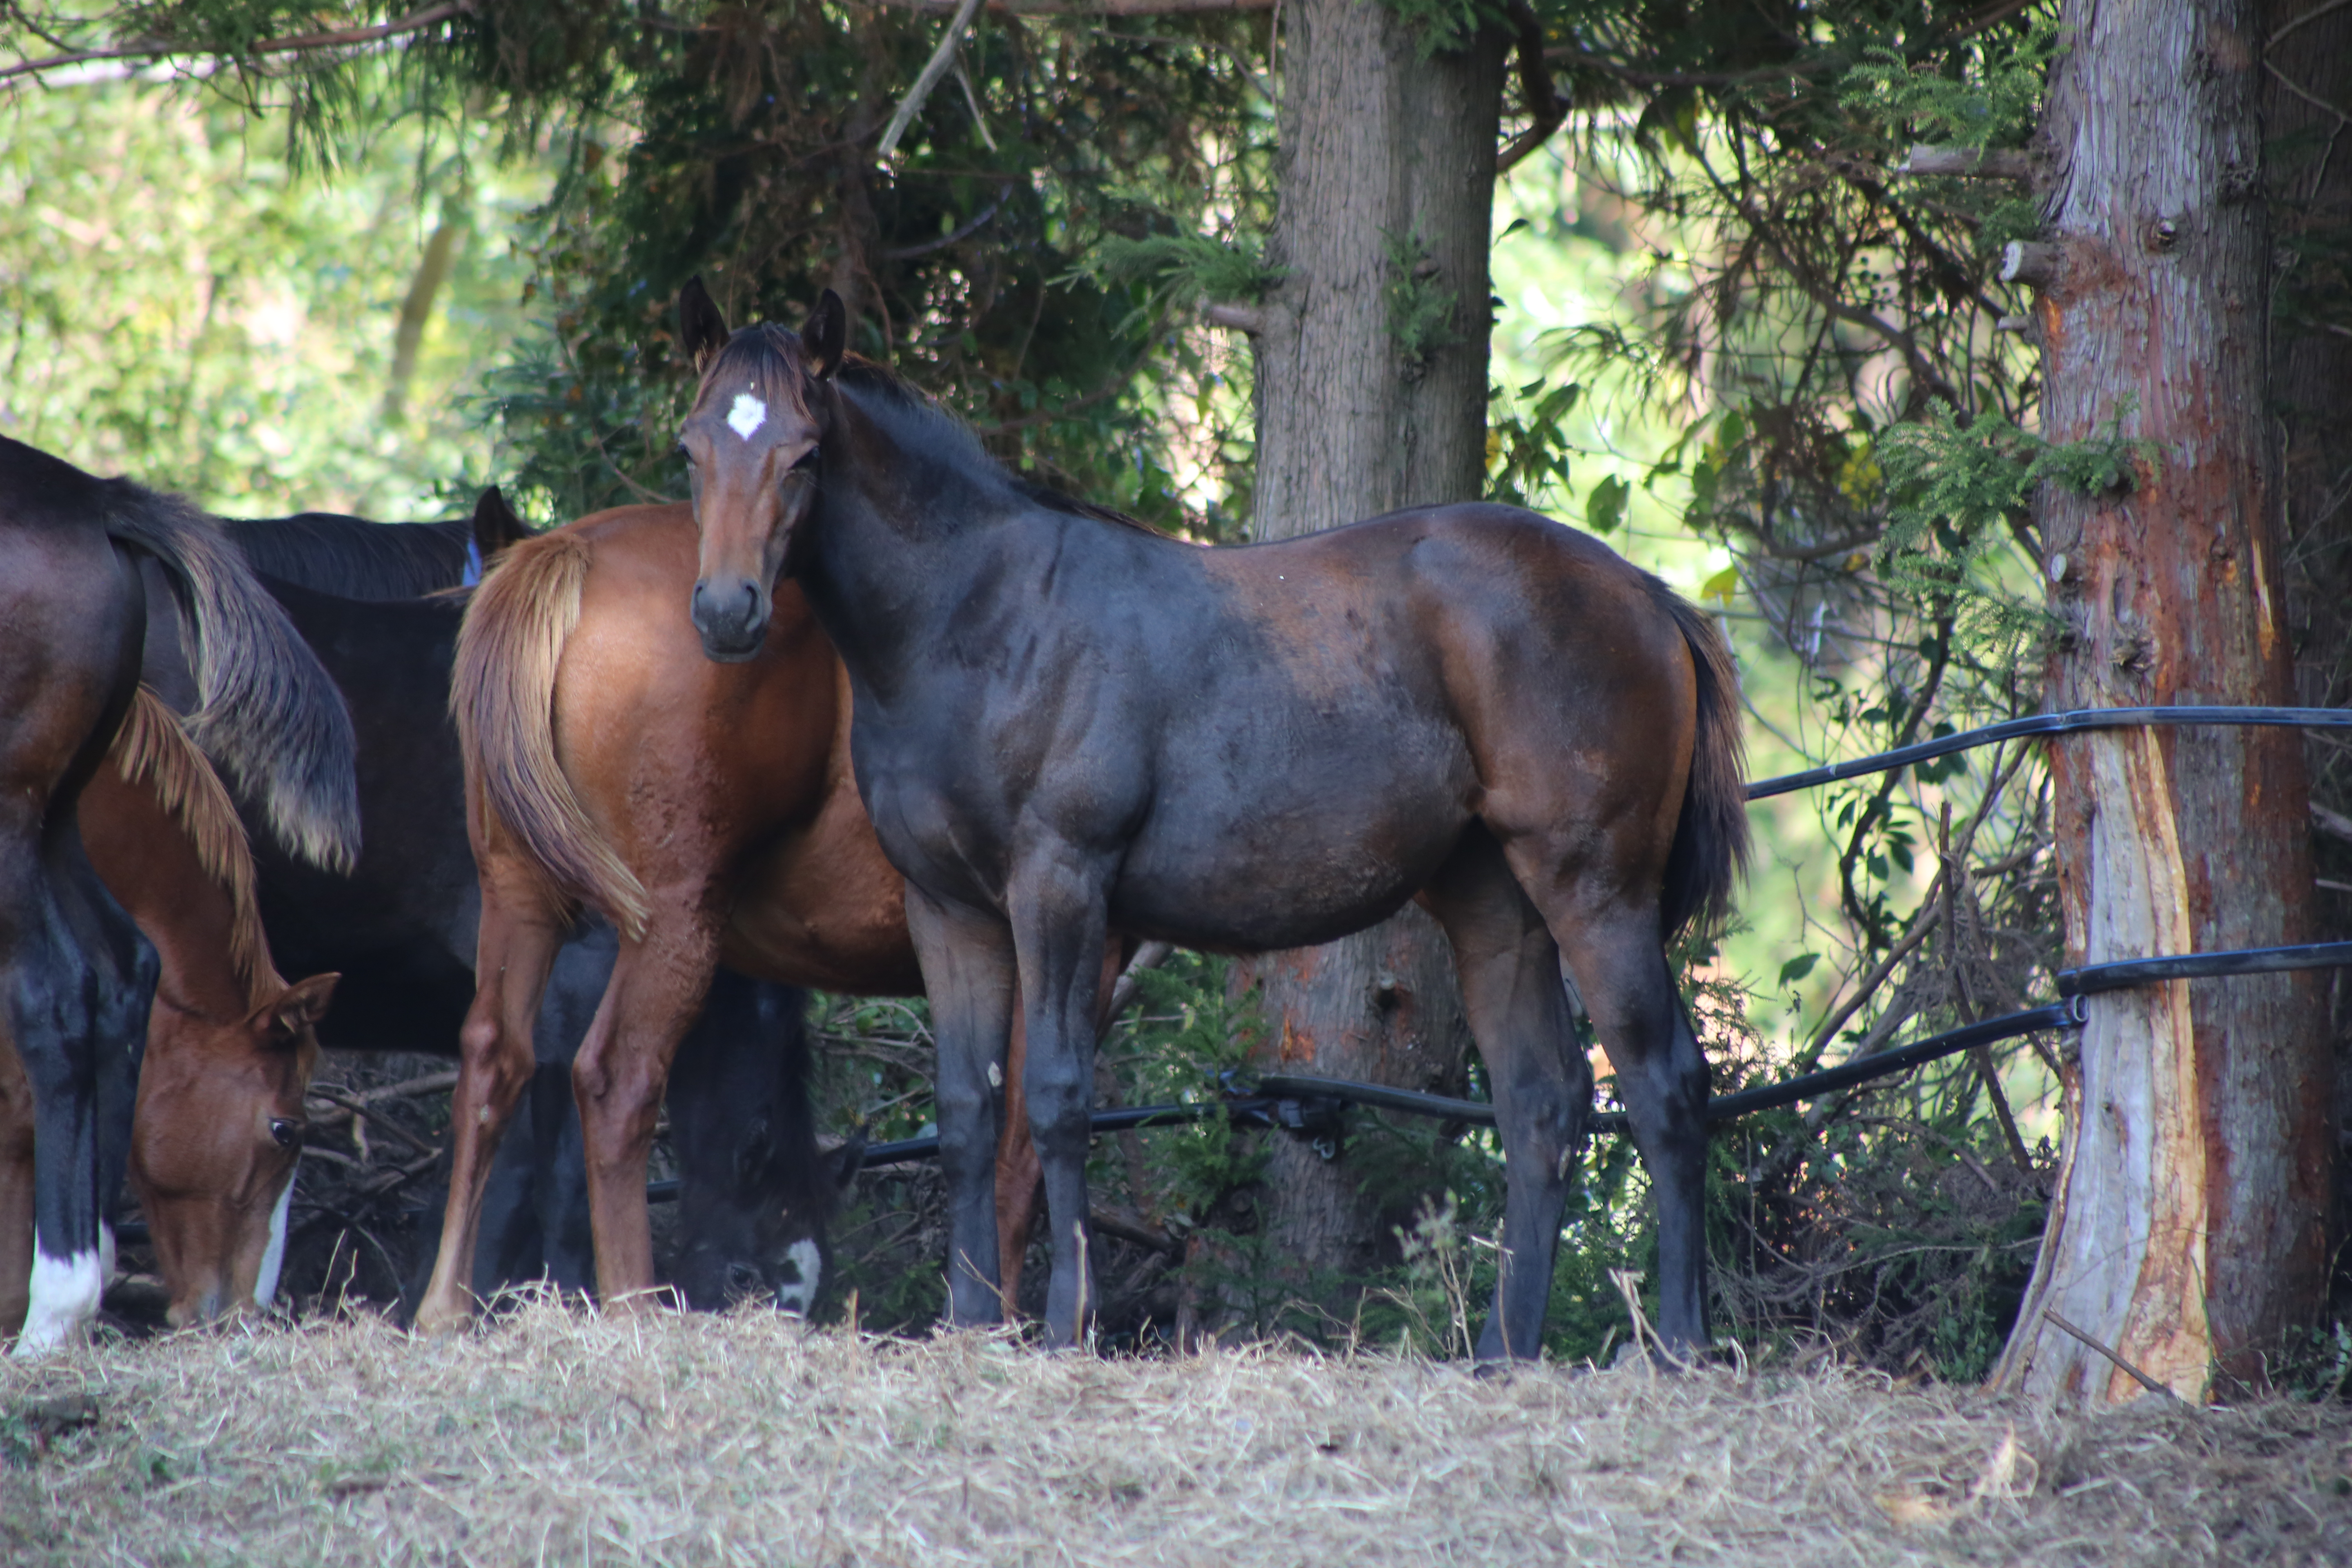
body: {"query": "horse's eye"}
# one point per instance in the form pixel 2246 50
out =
pixel 805 460
pixel 680 451
pixel 284 1131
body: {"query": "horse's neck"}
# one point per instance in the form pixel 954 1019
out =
pixel 886 571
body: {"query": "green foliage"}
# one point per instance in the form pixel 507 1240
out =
pixel 1447 27
pixel 1421 312
pixel 1956 493
pixel 187 306
pixel 1986 97
pixel 1528 450
pixel 1186 266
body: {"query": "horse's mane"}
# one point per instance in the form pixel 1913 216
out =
pixel 915 421
pixel 152 752
pixel 355 558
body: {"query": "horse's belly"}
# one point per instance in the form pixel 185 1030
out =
pixel 1280 878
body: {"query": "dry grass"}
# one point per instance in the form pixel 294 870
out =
pixel 560 1436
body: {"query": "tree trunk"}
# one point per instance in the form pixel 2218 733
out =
pixel 1387 191
pixel 2310 184
pixel 2188 1235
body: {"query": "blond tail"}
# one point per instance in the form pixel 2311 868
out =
pixel 503 697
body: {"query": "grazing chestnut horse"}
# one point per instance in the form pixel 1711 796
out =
pixel 1065 725
pixel 709 813
pixel 230 1046
pixel 76 978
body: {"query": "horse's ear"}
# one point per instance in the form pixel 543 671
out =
pixel 299 1007
pixel 496 526
pixel 826 335
pixel 701 326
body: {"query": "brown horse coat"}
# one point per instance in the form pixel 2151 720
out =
pixel 708 811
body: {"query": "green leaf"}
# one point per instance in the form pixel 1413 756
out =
pixel 1722 585
pixel 1797 968
pixel 1605 508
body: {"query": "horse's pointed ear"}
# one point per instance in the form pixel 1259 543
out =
pixel 701 326
pixel 826 335
pixel 299 1007
pixel 496 526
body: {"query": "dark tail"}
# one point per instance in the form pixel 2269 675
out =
pixel 1710 852
pixel 268 712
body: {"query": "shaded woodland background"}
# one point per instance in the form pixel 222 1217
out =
pixel 1729 331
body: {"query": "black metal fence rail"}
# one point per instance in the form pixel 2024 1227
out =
pixel 1304 1104
pixel 2050 724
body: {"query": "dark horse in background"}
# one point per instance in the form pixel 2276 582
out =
pixel 400 929
pixel 1066 725
pixel 76 978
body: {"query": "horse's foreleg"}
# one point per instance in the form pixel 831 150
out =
pixel 968 973
pixel 659 981
pixel 1020 1178
pixel 1058 931
pixel 520 933
pixel 70 945
pixel 1509 967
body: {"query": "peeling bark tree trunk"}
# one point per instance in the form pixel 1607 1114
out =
pixel 2188 1235
pixel 1387 191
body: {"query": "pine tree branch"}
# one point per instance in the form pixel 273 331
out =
pixel 156 49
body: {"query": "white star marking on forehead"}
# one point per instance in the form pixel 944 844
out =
pixel 747 415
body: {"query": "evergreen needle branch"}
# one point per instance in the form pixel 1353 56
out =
pixel 155 48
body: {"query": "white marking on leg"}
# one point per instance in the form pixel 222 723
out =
pixel 65 1296
pixel 798 1297
pixel 106 1270
pixel 747 415
pixel 273 1257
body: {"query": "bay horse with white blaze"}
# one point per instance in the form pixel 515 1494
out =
pixel 76 977
pixel 707 812
pixel 1065 726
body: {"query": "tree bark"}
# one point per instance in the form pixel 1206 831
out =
pixel 2188 1235
pixel 2310 186
pixel 1386 196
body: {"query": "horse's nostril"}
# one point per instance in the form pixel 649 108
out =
pixel 286 1132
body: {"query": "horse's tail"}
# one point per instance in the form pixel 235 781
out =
pixel 266 711
pixel 152 752
pixel 503 695
pixel 1710 851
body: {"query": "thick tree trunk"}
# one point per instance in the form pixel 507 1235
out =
pixel 2188 1235
pixel 1387 188
pixel 2310 184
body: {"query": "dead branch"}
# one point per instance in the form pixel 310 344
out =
pixel 1976 162
pixel 2050 1315
pixel 360 1112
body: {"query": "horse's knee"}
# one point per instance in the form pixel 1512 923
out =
pixel 493 1059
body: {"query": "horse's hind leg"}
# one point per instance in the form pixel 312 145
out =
pixel 522 930
pixel 1620 964
pixel 1509 973
pixel 659 981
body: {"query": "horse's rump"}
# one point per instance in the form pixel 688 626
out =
pixel 509 651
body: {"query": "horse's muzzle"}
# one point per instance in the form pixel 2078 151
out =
pixel 731 614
